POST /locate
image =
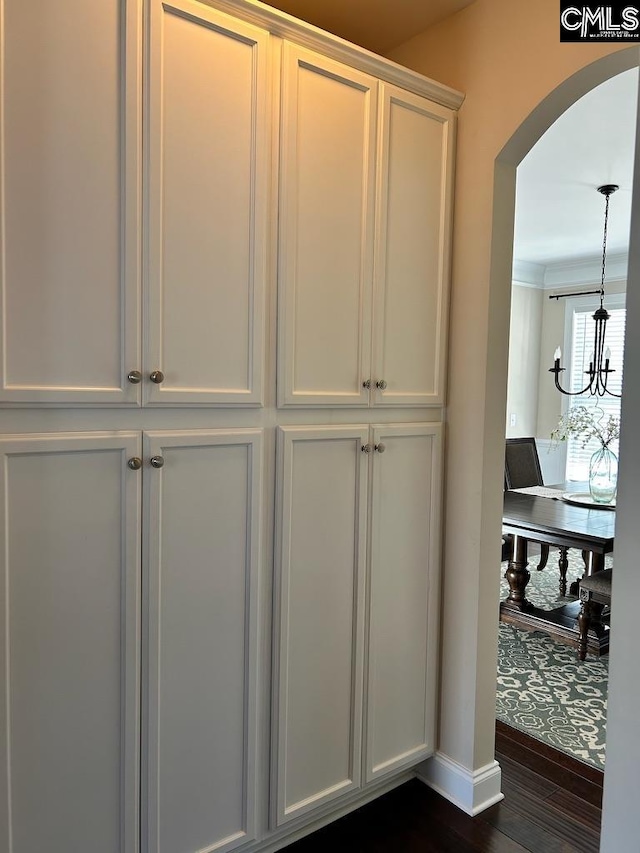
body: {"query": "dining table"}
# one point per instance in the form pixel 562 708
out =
pixel 564 516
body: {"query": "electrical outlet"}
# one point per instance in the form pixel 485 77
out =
pixel 513 419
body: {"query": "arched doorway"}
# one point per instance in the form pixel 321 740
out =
pixel 621 774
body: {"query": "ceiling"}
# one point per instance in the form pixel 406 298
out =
pixel 378 25
pixel 559 212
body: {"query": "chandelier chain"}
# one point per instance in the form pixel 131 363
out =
pixel 604 248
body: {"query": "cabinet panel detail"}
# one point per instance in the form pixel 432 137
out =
pixel 203 561
pixel 412 249
pixel 403 597
pixel 69 219
pixel 326 218
pixel 209 156
pixel 69 643
pixel 321 518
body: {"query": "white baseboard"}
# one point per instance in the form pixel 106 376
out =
pixel 473 791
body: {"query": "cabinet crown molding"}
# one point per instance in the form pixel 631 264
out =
pixel 287 27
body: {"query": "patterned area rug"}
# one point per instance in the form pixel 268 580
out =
pixel 543 689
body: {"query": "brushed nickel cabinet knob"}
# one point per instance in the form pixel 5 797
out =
pixel 157 377
pixel 135 463
pixel 156 461
pixel 134 377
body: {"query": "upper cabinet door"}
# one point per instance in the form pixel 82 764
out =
pixel 414 190
pixel 208 144
pixel 69 190
pixel 325 244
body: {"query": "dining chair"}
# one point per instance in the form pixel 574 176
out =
pixel 595 593
pixel 521 470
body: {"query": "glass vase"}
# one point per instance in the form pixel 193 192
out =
pixel 603 475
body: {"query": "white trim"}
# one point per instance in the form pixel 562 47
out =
pixel 473 791
pixel 528 273
pixel 290 28
pixel 576 272
pixel 586 271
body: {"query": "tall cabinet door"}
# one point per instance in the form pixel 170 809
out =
pixel 208 145
pixel 69 190
pixel 403 597
pixel 414 193
pixel 321 521
pixel 326 218
pixel 203 556
pixel 69 643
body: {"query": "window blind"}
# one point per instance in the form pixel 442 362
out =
pixel 583 329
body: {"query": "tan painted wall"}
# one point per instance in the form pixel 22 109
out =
pixel 506 56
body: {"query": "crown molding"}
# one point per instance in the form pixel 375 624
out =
pixel 528 274
pixel 579 272
pixel 287 27
pixel 586 271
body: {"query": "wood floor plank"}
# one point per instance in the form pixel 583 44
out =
pixel 505 733
pixel 567 804
pixel 438 813
pixel 529 834
pixel 526 777
pixel 562 827
pixel 583 781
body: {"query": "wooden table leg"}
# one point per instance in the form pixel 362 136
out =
pixel 563 565
pixel 517 576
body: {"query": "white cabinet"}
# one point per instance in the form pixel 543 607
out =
pixel 69 230
pixel 164 165
pixel 326 229
pixel 362 318
pixel 207 206
pixel 414 195
pixel 78 199
pixel 203 557
pixel 337 578
pixel 404 576
pixel 69 643
pixel 320 570
pixel 71 611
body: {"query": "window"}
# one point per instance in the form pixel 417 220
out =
pixel 581 330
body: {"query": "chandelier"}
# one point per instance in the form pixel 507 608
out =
pixel 599 370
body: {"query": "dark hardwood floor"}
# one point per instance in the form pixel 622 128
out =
pixel 552 805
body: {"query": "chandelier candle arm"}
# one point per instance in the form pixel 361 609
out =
pixel 599 369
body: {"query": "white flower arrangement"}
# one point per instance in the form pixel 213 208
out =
pixel 586 423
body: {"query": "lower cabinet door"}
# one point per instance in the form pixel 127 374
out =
pixel 69 643
pixel 400 686
pixel 199 717
pixel 320 559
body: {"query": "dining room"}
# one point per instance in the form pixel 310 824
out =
pixel 571 243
